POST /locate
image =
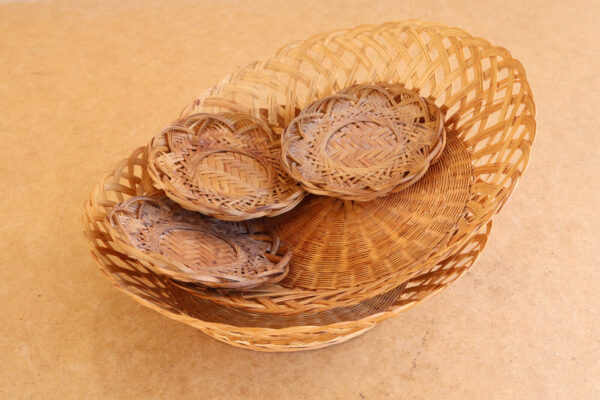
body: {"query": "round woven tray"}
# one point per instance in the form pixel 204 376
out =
pixel 363 142
pixel 339 244
pixel 192 247
pixel 284 298
pixel 260 331
pixel 226 165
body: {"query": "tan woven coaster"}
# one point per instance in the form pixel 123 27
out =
pixel 191 247
pixel 226 165
pixel 363 142
pixel 337 243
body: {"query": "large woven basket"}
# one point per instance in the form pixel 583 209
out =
pixel 482 90
pixel 192 247
pixel 488 105
pixel 253 330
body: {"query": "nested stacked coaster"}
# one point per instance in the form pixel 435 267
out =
pixel 226 165
pixel 211 223
pixel 363 142
pixel 191 247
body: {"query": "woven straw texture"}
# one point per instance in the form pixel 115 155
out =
pixel 225 165
pixel 363 142
pixel 234 325
pixel 209 311
pixel 340 244
pixel 191 247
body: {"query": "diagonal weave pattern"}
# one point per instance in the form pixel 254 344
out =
pixel 191 247
pixel 363 142
pixel 225 165
pixel 209 311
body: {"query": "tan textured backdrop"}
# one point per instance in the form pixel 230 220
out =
pixel 81 84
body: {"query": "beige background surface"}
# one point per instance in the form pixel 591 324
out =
pixel 81 84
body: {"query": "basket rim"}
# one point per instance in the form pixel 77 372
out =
pixel 205 97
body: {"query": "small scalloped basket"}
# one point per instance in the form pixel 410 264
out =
pixel 363 142
pixel 194 248
pixel 489 116
pixel 226 165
